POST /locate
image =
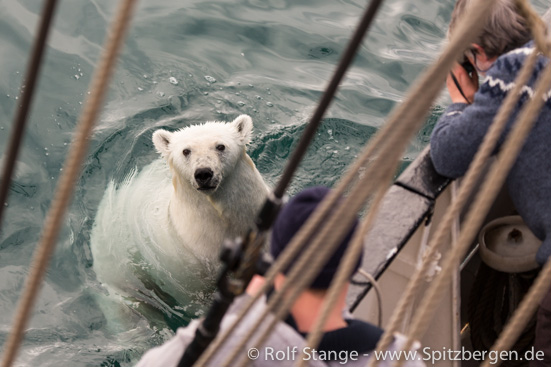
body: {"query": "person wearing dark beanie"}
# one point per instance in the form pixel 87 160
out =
pixel 348 340
pixel 290 220
pixel 341 334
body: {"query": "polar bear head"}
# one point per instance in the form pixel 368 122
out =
pixel 203 155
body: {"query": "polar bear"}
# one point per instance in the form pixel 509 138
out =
pixel 158 234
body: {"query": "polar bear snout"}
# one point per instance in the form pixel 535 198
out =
pixel 204 179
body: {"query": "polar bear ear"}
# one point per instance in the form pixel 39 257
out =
pixel 244 126
pixel 161 139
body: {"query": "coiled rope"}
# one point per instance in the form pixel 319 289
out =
pixel 65 187
pixel 523 314
pixel 493 299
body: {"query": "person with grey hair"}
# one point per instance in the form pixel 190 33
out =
pixel 498 54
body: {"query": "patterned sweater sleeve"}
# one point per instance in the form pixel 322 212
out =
pixel 461 129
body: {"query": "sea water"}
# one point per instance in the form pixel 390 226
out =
pixel 183 62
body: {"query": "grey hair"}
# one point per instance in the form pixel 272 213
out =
pixel 505 29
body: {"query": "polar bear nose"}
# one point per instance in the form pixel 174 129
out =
pixel 203 176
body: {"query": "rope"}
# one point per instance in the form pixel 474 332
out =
pixel 413 110
pixel 274 322
pixel 403 123
pixel 542 284
pixel 483 201
pixel 313 259
pixel 378 293
pixel 326 99
pixel 343 274
pixel 27 93
pixel 293 163
pixel 283 261
pixel 522 316
pixel 470 181
pixel 467 186
pixel 536 24
pixel 493 299
pixel 67 181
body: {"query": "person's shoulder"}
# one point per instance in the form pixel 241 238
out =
pixel 511 62
pixel 362 327
pixel 170 352
pixel 501 76
pixel 522 51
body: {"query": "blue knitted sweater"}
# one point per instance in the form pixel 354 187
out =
pixel 461 129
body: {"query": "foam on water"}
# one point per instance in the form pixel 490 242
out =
pixel 269 59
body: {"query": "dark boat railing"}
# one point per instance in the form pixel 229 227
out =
pixel 408 203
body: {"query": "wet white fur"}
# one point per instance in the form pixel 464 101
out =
pixel 156 225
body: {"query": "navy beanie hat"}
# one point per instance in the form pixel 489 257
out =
pixel 292 217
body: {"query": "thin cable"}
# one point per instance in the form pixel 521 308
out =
pixel 344 271
pixel 378 293
pixel 67 181
pixel 306 268
pixel 26 97
pixel 503 115
pixel 483 201
pixel 300 150
pixel 465 191
pixel 326 99
pixel 522 316
pixel 404 121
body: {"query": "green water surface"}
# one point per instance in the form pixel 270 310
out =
pixel 184 62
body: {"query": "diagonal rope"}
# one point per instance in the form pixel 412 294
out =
pixel 314 257
pixel 65 188
pixel 317 253
pixel 26 96
pixel 522 315
pixel 483 201
pixel 412 112
pixel 542 284
pixel 344 271
pixel 535 22
pixel 468 185
pixel 350 53
pixel 400 127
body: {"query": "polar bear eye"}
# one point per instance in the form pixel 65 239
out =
pixel 220 147
pixel 186 152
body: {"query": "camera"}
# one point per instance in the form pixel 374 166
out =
pixel 466 64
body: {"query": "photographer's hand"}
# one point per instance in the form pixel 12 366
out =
pixel 468 85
